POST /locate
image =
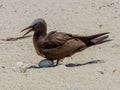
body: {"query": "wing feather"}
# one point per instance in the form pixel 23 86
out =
pixel 55 39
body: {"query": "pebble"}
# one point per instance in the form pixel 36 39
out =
pixel 20 67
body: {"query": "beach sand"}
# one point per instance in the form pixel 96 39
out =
pixel 96 68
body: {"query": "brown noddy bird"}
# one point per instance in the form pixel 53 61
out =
pixel 58 45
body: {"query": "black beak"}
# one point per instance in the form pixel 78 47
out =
pixel 30 29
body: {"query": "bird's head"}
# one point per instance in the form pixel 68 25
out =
pixel 38 25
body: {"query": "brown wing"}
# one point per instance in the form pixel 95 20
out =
pixel 55 39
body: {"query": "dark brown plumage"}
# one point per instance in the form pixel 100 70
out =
pixel 58 45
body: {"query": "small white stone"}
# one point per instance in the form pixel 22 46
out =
pixel 19 64
pixel 45 63
pixel 20 67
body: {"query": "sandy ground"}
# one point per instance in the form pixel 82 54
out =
pixel 84 17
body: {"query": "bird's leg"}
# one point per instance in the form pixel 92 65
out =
pixel 57 62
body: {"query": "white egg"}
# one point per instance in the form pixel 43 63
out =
pixel 45 63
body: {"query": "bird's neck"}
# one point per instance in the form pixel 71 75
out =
pixel 36 38
pixel 39 34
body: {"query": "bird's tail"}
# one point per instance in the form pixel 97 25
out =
pixel 94 39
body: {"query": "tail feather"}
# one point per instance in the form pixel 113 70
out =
pixel 99 39
pixel 93 36
pixel 93 39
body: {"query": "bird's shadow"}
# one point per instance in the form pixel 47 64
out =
pixel 37 67
pixel 33 66
pixel 90 62
pixel 70 64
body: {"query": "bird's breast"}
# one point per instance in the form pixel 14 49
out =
pixel 37 46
